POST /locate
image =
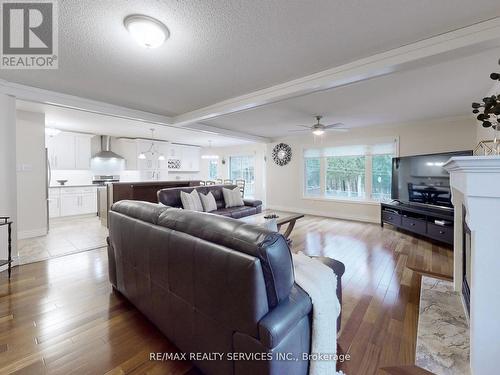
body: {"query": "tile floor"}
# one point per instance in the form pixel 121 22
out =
pixel 66 236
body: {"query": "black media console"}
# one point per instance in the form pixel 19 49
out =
pixel 435 223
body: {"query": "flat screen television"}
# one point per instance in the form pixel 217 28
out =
pixel 422 180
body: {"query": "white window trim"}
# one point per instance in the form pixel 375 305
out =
pixel 368 159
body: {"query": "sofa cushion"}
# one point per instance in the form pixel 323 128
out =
pixel 270 247
pixel 172 196
pixel 208 202
pixel 191 201
pixel 232 197
pixel 144 211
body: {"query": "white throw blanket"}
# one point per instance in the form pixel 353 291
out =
pixel 319 281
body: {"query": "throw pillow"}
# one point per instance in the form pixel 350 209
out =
pixel 232 197
pixel 208 202
pixel 191 201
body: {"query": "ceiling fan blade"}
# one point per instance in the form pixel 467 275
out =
pixel 336 125
pixel 299 131
pixel 304 126
pixel 340 130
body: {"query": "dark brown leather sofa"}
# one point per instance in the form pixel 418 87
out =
pixel 212 284
pixel 172 197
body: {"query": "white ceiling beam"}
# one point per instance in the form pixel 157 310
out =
pixel 439 48
pixel 226 132
pixel 37 95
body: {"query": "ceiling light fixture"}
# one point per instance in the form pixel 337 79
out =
pixel 147 31
pixel 318 132
pixel 153 151
pixel 210 154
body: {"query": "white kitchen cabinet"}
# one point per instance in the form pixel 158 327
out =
pixel 70 204
pixel 54 203
pixel 190 158
pixel 127 148
pixel 151 167
pixel 82 152
pixel 69 151
pixel 88 203
pixel 75 201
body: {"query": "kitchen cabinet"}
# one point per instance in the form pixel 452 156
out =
pixel 151 167
pixel 130 149
pixel 54 203
pixel 82 152
pixel 71 201
pixel 189 157
pixel 69 151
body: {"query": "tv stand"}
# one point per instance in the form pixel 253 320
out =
pixel 420 220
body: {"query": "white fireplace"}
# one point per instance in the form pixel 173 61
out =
pixel 475 183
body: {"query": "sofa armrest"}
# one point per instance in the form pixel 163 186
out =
pixel 274 327
pixel 252 202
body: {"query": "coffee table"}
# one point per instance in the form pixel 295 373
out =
pixel 283 218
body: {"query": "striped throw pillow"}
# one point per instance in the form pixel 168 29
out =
pixel 232 197
pixel 191 201
pixel 208 202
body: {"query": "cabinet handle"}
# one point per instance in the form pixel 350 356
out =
pixel 389 217
pixel 412 224
pixel 441 232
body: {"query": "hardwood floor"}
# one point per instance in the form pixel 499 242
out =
pixel 61 317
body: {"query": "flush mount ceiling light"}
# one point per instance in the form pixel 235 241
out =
pixel 147 31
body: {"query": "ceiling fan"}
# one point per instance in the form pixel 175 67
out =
pixel 319 128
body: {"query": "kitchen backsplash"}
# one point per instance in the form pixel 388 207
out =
pixel 84 177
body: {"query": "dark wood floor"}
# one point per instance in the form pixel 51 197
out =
pixel 61 316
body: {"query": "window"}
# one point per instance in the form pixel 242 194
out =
pixel 381 177
pixel 345 176
pixel 243 168
pixel 312 176
pixel 349 172
pixel 212 169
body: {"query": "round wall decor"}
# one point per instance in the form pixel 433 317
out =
pixel 282 154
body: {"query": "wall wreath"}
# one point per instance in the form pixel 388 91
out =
pixel 282 154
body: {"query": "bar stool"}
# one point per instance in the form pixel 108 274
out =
pixel 4 221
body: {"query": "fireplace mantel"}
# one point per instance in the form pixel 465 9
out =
pixel 475 184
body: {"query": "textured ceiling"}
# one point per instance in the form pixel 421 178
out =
pixel 440 90
pixel 220 49
pixel 80 121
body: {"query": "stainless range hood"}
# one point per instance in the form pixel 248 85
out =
pixel 106 152
pixel 107 162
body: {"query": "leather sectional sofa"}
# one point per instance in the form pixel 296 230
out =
pixel 172 197
pixel 212 284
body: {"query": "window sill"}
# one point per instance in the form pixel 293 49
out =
pixel 342 200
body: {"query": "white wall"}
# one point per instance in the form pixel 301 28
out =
pixel 258 150
pixel 484 134
pixel 8 181
pixel 285 184
pixel 31 174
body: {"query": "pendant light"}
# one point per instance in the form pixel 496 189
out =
pixel 152 149
pixel 209 154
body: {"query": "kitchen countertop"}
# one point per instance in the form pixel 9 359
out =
pixel 74 186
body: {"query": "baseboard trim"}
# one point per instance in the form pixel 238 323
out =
pixel 24 234
pixel 365 219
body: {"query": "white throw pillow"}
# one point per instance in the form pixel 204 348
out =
pixel 191 201
pixel 208 202
pixel 232 197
